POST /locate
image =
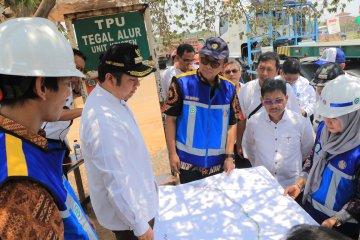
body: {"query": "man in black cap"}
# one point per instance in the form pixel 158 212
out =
pixel 121 181
pixel 323 75
pixel 202 110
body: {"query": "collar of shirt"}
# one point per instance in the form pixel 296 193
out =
pixel 285 117
pixel 204 80
pixel 102 91
pixel 107 95
pixel 257 85
pixel 21 131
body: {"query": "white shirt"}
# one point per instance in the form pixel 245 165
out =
pixel 280 147
pixel 305 94
pixel 59 129
pixel 166 78
pixel 122 185
pixel 250 93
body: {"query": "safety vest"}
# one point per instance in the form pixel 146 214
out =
pixel 338 183
pixel 20 159
pixel 203 123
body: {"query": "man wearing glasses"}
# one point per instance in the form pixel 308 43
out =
pixel 249 96
pixel 184 59
pixel 278 138
pixel 202 110
pixel 232 71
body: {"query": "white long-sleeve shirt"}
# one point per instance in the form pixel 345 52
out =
pixel 250 94
pixel 121 182
pixel 166 78
pixel 280 147
pixel 305 94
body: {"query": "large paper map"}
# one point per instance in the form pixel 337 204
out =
pixel 248 204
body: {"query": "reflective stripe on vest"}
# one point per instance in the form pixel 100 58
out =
pixel 191 130
pixel 318 206
pixel 74 210
pixel 338 182
pixel 21 159
pixel 16 162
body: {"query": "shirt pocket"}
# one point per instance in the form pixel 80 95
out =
pixel 290 146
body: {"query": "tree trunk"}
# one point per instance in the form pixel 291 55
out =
pixel 45 8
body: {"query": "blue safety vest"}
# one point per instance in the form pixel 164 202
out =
pixel 201 127
pixel 338 183
pixel 20 159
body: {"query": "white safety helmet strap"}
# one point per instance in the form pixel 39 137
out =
pixel 34 47
pixel 339 97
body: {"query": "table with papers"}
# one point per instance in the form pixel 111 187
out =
pixel 248 204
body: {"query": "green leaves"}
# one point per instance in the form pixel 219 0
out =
pixel 23 8
pixel 173 17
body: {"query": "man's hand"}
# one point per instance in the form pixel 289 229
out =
pixel 174 163
pixel 293 191
pixel 303 112
pixel 229 165
pixel 148 235
pixel 329 223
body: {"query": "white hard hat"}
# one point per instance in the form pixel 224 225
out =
pixel 339 97
pixel 34 47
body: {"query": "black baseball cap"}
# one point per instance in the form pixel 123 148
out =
pixel 326 73
pixel 215 47
pixel 126 58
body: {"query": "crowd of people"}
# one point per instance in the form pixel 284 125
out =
pixel 215 122
pixel 304 131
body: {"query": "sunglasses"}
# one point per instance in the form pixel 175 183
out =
pixel 269 102
pixel 213 63
pixel 227 72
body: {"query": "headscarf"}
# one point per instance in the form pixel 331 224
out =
pixel 333 144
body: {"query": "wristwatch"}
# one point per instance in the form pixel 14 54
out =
pixel 338 221
pixel 229 155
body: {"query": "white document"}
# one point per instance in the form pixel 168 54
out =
pixel 248 204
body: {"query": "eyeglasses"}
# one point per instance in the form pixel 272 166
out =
pixel 213 63
pixel 188 60
pixel 271 102
pixel 227 72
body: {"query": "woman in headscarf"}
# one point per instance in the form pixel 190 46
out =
pixel 330 178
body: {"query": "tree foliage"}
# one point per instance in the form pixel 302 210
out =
pixel 171 17
pixel 26 8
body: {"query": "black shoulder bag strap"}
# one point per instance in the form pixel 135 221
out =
pixel 255 110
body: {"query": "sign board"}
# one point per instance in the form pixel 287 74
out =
pixel 333 25
pixel 95 34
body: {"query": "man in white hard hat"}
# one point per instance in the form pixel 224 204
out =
pixel 36 68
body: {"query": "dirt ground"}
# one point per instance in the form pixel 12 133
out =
pixel 145 106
